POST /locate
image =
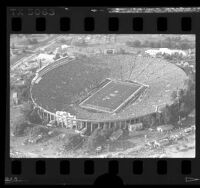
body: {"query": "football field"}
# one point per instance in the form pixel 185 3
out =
pixel 111 96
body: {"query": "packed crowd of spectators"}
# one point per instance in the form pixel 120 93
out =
pixel 67 83
pixel 70 83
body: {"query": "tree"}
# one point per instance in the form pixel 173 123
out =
pixel 137 43
pixel 146 43
pixel 57 56
pixel 91 140
pixel 184 46
pixel 153 120
pixel 26 109
pixel 121 51
pixel 190 82
pixel 177 39
pixel 184 99
pixel 181 93
pixel 62 41
pixel 153 44
pixel 18 120
pixel 33 41
pixel 167 43
pixel 24 94
pixel 20 128
pixel 159 118
pixel 174 96
pixel 129 43
pixel 167 115
pixel 33 117
pixel 189 101
pixel 175 112
pixel 157 44
pixel 24 129
pixel 81 43
pixel 149 120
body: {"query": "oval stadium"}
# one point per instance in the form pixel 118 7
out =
pixel 105 90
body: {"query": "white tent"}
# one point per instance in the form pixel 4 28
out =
pixel 45 57
pixel 64 46
pixel 153 52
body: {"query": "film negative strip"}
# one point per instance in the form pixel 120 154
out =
pixel 134 69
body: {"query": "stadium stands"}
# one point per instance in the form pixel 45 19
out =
pixel 71 82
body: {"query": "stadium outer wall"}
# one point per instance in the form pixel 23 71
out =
pixel 71 122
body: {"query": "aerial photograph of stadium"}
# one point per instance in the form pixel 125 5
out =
pixel 102 96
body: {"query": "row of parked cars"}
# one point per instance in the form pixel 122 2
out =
pixel 170 139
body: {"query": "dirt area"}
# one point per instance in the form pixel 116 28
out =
pixel 51 142
pixel 40 142
pixel 61 142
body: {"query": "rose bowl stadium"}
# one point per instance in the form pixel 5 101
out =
pixel 104 91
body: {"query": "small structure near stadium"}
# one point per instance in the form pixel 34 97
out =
pixel 65 119
pixel 109 51
pixel 135 127
pixel 154 52
pixel 163 128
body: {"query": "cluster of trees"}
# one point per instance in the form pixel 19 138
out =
pixel 30 113
pixel 65 41
pixel 22 128
pixel 169 42
pixel 23 90
pixel 57 56
pixel 28 119
pixel 150 120
pixel 80 43
pixel 177 58
pixel 32 41
pixel 23 93
pixel 184 103
pixel 174 56
pixel 121 51
pixel 98 138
